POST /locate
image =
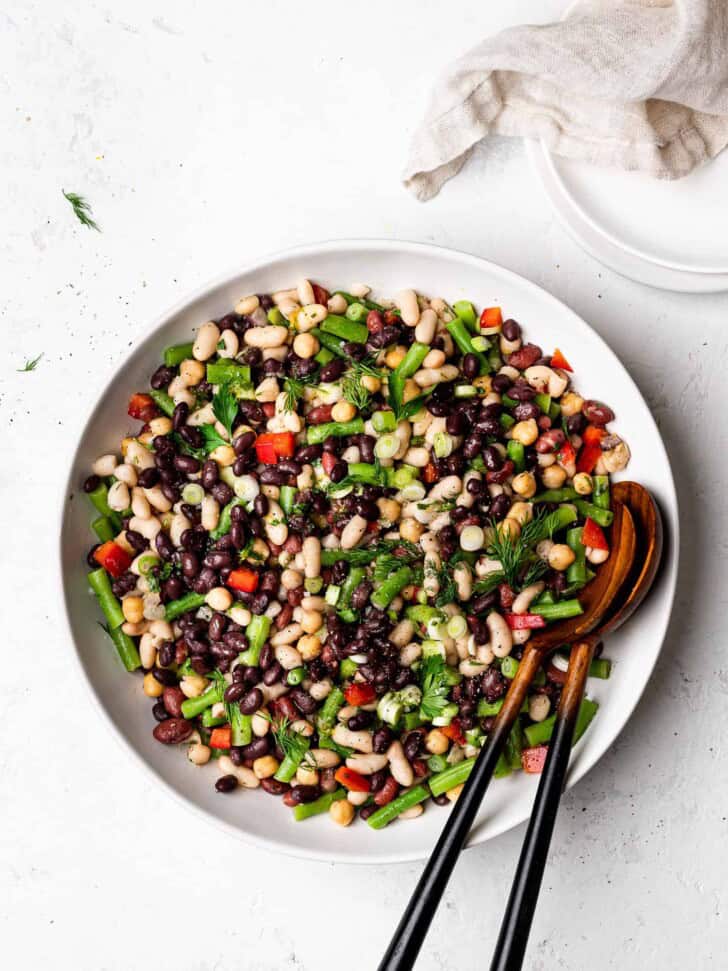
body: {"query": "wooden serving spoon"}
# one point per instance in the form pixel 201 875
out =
pixel 513 938
pixel 596 599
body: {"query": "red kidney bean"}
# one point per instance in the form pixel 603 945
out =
pixel 294 544
pixel 273 787
pixel 420 768
pixel 226 783
pixel 596 412
pixel 173 731
pixel 500 475
pixel 525 357
pixel 284 617
pixel 319 415
pixel 543 422
pixel 550 441
pixel 327 781
pixel 505 595
pixel 525 410
pixel 288 799
pixel 286 708
pixel 172 699
pixel 387 793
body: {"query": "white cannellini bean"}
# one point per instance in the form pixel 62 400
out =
pixel 312 557
pixel 403 432
pixel 246 777
pixel 403 633
pixel 366 764
pixel 273 335
pixel 275 524
pixel 321 689
pixel 337 304
pixel 470 668
pixel 361 741
pixel 520 636
pixel 324 758
pixel 230 342
pixel 203 416
pixel 426 377
pixel 105 465
pixel 413 812
pixel 206 341
pixel 310 316
pixel 178 525
pixel 410 653
pixel 260 724
pixel 501 640
pixel 305 292
pixel 526 597
pixel 418 456
pixel 267 390
pixel 126 473
pixel 538 707
pixel 158 499
pixel 118 497
pixel 138 456
pixel 288 657
pixel 356 798
pixel 447 488
pixel 289 634
pixel 430 581
pixel 209 512
pixel 359 290
pixel 463 577
pixel 148 527
pixel 425 329
pixel 406 302
pixel 246 305
pixel 399 766
pixel 353 532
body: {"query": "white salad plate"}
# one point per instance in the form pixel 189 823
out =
pixel 387 266
pixel 667 234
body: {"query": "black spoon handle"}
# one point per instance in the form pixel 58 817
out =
pixel 410 933
pixel 513 938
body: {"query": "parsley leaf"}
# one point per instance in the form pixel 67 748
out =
pixel 225 408
pixel 212 437
pixel 435 686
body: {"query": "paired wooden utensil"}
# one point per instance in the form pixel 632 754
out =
pixel 598 598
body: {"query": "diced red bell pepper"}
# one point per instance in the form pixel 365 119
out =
pixel 533 759
pixel 491 317
pixel 558 360
pixel 588 458
pixel 525 621
pixel 454 731
pixel 142 407
pixel 352 780
pixel 274 445
pixel 360 694
pixel 221 737
pixel 593 535
pixel 593 434
pixel 566 454
pixel 243 579
pixel 429 473
pixel 269 408
pixel 113 558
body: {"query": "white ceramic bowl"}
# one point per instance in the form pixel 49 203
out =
pixel 387 267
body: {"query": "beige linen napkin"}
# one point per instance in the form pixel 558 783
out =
pixel 638 84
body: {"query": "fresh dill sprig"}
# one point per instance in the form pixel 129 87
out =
pixel 516 554
pixel 354 391
pixel 294 389
pixel 82 210
pixel 30 365
pixel 292 744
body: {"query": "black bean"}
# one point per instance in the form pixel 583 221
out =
pixel 525 410
pixel 455 423
pixel 162 377
pixel 332 371
pixel 251 702
pixel 222 492
pixel 187 464
pixel 226 783
pixel 217 559
pixel 138 542
pixel 190 564
pixel 492 458
pixel 160 712
pixel 165 546
pixel 511 330
pixel 205 580
pixel 234 692
pixel 576 424
pixel 470 366
pixel 180 415
pixel 266 656
pixel 273 787
pixel 261 505
pixel 501 383
pixel 499 507
pixel 366 811
pixel 301 794
pixel 243 442
pixel 236 639
pixel 272 674
pixel 361 720
pixel 382 739
pixel 93 482
pixel 216 627
pixel 309 453
pixel 484 602
pixel 257 748
pixel 472 446
pixel 303 701
pixel 165 677
pixel 290 466
pixel 366 447
pixel 476 487
pixel 522 392
pixel 210 474
pixel 360 596
pixel 148 478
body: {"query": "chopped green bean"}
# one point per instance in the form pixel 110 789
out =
pixel 177 353
pixel 101 586
pixel 601 491
pixel 190 601
pixel 163 401
pixel 316 434
pixel 384 595
pixel 305 810
pixel 126 648
pixel 382 817
pixel 348 330
pixel 602 517
pixel 561 610
pixel 103 529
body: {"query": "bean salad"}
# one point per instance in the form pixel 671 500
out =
pixel 330 531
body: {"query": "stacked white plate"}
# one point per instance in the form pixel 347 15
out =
pixel 668 234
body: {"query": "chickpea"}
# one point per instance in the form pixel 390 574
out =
pixel 452 794
pixel 159 426
pixel 522 512
pixel 309 646
pixel 224 455
pixel 411 530
pixel 306 776
pixel 311 621
pixel 561 556
pixel 553 476
pixel 192 685
pixel 306 345
pixel 411 390
pixel 538 707
pixel 191 372
pixel 583 483
pixel 265 767
pixel 524 484
pixel 389 509
pixel 152 687
pixel 571 404
pixel 291 579
pixel 342 812
pixel 219 598
pixel 436 742
pixel 371 383
pixel 509 527
pixel 343 411
pixel 525 432
pixel 133 609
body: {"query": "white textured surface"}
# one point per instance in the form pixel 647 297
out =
pixel 204 134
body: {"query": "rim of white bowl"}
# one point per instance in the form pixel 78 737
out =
pixel 311 250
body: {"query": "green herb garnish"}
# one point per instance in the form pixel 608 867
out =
pixel 30 365
pixel 81 209
pixel 225 408
pixel 435 682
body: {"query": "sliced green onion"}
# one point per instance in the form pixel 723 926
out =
pixel 275 316
pixel 465 391
pixel 384 421
pixel 347 668
pixel 245 487
pixel 413 492
pixel 295 676
pixel 313 584
pixel 446 715
pixel 457 626
pixel 332 594
pixel 341 492
pixel 193 494
pixel 443 444
pixel 390 708
pixel 472 538
pixel 146 562
pixel 356 311
pixel 430 647
pixel 481 344
pixel 386 446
